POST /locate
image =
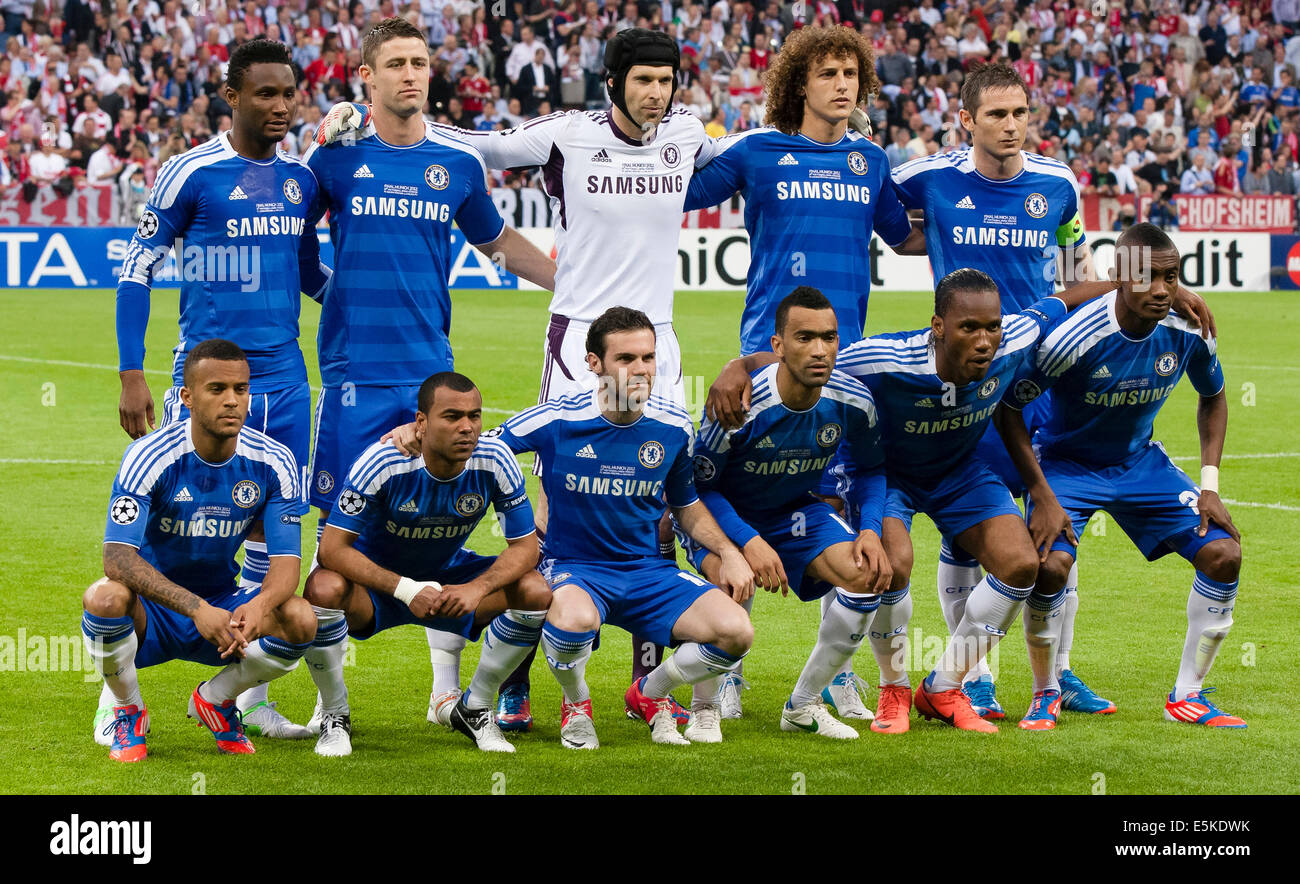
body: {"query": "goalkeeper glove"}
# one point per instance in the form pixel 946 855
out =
pixel 858 120
pixel 344 117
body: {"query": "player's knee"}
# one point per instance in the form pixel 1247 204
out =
pixel 568 612
pixel 325 589
pixel 1021 568
pixel 1053 573
pixel 106 598
pixel 735 632
pixel 1221 561
pixel 298 620
pixel 531 593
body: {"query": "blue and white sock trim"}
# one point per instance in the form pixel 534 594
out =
pixel 961 559
pixel 106 629
pixel 863 604
pixel 717 659
pixel 567 642
pixel 1046 603
pixel 331 633
pixel 278 647
pixel 895 596
pixel 514 633
pixel 1212 589
pixel 1015 593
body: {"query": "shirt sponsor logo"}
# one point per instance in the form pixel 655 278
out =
pixel 635 184
pixel 791 466
pixel 824 190
pixel 605 485
pixel 999 236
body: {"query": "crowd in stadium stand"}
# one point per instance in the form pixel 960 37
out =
pixel 1157 97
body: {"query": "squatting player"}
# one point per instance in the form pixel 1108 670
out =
pixel 184 500
pixel 236 210
pixel 617 180
pixel 758 482
pixel 392 198
pixel 610 457
pixel 814 192
pixel 1110 366
pixel 394 552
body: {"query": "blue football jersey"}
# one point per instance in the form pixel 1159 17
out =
pixel 606 483
pixel 810 209
pixel 410 522
pixel 1011 229
pixel 245 250
pixel 776 458
pixel 386 319
pixel 929 427
pixel 1107 387
pixel 189 517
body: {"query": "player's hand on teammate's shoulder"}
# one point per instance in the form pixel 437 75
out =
pixel 1211 508
pixel 736 578
pixel 404 438
pixel 1048 521
pixel 217 625
pixel 135 407
pixel 1191 306
pixel 769 573
pixel 346 116
pixel 728 399
pixel 869 553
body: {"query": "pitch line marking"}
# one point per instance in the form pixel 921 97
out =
pixel 1269 455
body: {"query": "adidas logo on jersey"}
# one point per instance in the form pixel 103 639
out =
pixel 183 496
pixel 586 451
pixel 765 442
pixel 238 193
pixel 363 172
pixel 602 156
pixel 408 507
pixel 787 160
pixel 965 203
pixel 1102 372
pixel 925 403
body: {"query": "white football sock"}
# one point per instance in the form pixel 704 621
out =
pixel 444 656
pixel 990 610
pixel 567 654
pixel 1209 617
pixel 957 575
pixel 1043 616
pixel 325 660
pixel 506 642
pixel 1068 611
pixel 111 643
pixel 889 636
pixel 256 564
pixel 842 630
pixel 266 659
pixel 705 693
pixel 691 662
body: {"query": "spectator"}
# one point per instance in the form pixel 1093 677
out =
pixel 1197 180
pixel 103 167
pixel 537 83
pixel 1280 177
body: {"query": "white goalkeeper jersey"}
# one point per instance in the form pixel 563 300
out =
pixel 618 204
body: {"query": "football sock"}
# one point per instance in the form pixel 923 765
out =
pixel 444 655
pixel 567 654
pixel 266 659
pixel 325 660
pixel 990 610
pixel 705 693
pixel 1043 616
pixel 111 643
pixel 315 553
pixel 957 575
pixel 888 636
pixel 1068 610
pixel 1209 617
pixel 825 603
pixel 690 663
pixel 841 632
pixel 520 675
pixel 256 563
pixel 646 655
pixel 506 641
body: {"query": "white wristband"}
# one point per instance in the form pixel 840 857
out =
pixel 1210 479
pixel 408 589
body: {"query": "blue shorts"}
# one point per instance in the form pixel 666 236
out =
pixel 284 415
pixel 646 597
pixel 169 635
pixel 463 567
pixel 1150 498
pixel 349 420
pixel 798 536
pixel 968 495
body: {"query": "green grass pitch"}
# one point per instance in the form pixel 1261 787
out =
pixel 62 444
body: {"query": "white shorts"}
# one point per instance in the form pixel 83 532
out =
pixel 564 362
